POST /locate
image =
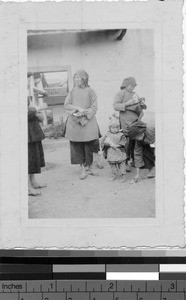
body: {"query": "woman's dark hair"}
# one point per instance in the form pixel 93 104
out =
pixel 29 74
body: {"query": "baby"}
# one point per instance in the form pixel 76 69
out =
pixel 113 145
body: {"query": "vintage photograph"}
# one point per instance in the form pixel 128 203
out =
pixel 91 123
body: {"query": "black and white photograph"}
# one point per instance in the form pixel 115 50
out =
pixel 91 122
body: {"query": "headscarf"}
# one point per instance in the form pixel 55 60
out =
pixel 128 81
pixel 136 129
pixel 29 74
pixel 113 122
pixel 84 75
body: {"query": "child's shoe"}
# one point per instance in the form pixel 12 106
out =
pixel 128 168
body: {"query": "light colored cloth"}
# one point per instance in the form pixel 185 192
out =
pixel 81 98
pixel 130 113
pixel 115 155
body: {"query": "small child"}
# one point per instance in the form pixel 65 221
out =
pixel 114 143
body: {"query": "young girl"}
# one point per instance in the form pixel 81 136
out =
pixel 114 144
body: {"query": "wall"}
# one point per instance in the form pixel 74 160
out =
pixel 106 59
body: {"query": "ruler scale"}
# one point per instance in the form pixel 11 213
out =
pixel 92 290
pixel 91 275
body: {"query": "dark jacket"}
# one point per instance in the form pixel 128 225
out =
pixel 35 133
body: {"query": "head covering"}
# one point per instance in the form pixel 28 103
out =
pixel 84 75
pixel 136 129
pixel 29 74
pixel 128 81
pixel 113 122
pixel 37 75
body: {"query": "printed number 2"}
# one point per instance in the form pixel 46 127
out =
pixel 111 285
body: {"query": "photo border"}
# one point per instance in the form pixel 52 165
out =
pixel 98 232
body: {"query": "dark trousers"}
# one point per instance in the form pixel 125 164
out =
pixel 35 157
pixel 148 157
pixel 81 153
pixel 130 148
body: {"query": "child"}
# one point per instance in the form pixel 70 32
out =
pixel 114 143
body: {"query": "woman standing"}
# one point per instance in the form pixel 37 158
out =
pixel 35 150
pixel 130 107
pixel 82 127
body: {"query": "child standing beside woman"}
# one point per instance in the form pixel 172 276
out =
pixel 113 145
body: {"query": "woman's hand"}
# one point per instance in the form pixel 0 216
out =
pixel 130 102
pixel 79 114
pixel 114 146
pixel 81 110
pixel 40 117
pixel 133 101
pixel 142 99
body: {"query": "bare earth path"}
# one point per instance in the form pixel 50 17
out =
pixel 66 196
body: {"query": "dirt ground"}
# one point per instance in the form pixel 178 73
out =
pixel 66 196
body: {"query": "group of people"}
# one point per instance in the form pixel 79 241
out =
pixel 128 138
pixel 127 141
